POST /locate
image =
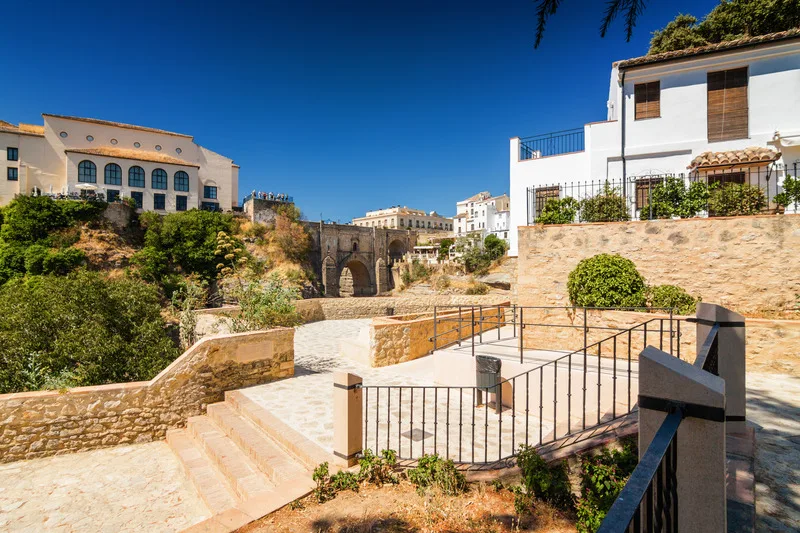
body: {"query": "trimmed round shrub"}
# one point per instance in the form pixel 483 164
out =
pixel 606 280
pixel 672 296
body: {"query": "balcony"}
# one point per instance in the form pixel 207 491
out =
pixel 549 144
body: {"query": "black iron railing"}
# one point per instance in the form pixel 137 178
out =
pixel 556 143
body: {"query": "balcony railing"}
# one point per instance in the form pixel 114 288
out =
pixel 559 142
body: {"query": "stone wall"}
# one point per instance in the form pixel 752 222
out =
pixel 747 264
pixel 317 309
pixel 37 424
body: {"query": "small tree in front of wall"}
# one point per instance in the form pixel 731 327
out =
pixel 790 194
pixel 608 206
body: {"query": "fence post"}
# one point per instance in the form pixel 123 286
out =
pixel 348 417
pixel 731 358
pixel 434 328
pixel 666 384
pixel 472 321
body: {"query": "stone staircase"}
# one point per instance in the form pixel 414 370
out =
pixel 243 461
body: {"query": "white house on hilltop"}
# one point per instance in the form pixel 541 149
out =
pixel 723 112
pixel 161 170
pixel 484 214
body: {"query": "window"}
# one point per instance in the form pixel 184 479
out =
pixel 63 134
pixel 402 222
pixel 114 141
pixel 138 197
pixel 209 191
pixel 113 174
pixel 180 203
pixel 12 174
pixel 87 172
pixel 178 150
pixel 137 145
pixel 136 177
pixel 12 154
pixel 727 105
pixel 158 148
pixel 210 206
pixel 647 100
pixel 181 181
pixel 644 186
pixel 724 179
pixel 158 179
pixel 159 201
pixel 545 193
pixel 355 246
pixel 89 138
pixel 112 195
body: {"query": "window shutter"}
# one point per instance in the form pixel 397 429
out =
pixel 647 100
pixel 727 105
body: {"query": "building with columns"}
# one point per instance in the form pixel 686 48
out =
pixel 398 217
pixel 161 170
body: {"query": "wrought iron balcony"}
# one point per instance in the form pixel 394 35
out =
pixel 548 144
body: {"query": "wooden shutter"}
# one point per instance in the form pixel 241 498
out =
pixel 727 105
pixel 647 100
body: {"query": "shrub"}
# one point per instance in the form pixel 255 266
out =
pixel 603 477
pixel 28 219
pixel 549 483
pixel 63 261
pixel 671 198
pixel 790 194
pixel 442 283
pixel 608 206
pixel 606 280
pixel 432 470
pixel 557 211
pixel 736 199
pixel 290 235
pixel 477 288
pixel 12 261
pixel 378 469
pixel 673 297
pixel 477 256
pixel 264 305
pixel 87 327
pixel 494 247
pixel 444 249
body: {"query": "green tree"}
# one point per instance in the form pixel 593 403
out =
pixel 264 305
pixel 444 249
pixel 494 247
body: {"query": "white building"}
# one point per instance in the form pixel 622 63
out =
pixel 726 111
pixel 404 218
pixel 484 214
pixel 160 170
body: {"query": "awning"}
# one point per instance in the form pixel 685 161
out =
pixel 753 156
pixel 86 187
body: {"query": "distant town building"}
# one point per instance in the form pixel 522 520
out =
pixel 484 214
pixel 71 156
pixel 402 217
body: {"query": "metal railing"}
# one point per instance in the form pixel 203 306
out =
pixel 548 144
pixel 537 406
pixel 280 197
pixel 618 200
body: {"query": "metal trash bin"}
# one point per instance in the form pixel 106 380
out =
pixel 487 379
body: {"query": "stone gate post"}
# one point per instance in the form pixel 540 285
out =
pixel 348 419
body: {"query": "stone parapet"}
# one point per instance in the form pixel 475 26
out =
pixel 317 309
pixel 42 423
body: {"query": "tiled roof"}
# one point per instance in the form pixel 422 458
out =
pixel 476 197
pixel 118 125
pixel 31 128
pixel 709 49
pixel 137 155
pixel 746 156
pixel 25 129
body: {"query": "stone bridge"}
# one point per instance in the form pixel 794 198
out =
pixel 356 261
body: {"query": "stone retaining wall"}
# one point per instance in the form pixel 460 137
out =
pixel 37 424
pixel 317 309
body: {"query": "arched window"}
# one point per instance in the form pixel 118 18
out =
pixel 87 172
pixel 181 181
pixel 159 179
pixel 355 246
pixel 136 177
pixel 113 174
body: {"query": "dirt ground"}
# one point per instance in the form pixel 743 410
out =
pixel 399 508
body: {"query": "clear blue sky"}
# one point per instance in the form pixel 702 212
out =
pixel 348 106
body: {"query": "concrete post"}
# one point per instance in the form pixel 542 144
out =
pixel 731 358
pixel 667 382
pixel 348 417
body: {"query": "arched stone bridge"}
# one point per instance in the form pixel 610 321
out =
pixel 356 261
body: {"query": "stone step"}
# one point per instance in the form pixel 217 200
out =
pixel 270 458
pixel 245 478
pixel 292 441
pixel 211 486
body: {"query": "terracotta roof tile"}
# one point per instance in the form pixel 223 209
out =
pixel 31 128
pixel 136 155
pixel 746 156
pixel 117 125
pixel 710 48
pixel 25 129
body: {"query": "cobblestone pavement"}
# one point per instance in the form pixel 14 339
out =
pixel 773 406
pixel 127 488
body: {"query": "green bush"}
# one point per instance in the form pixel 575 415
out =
pixel 83 326
pixel 263 305
pixel 790 194
pixel 557 211
pixel 476 255
pixel 606 280
pixel 603 477
pixel 435 471
pixel 736 199
pixel 608 206
pixel 671 198
pixel 12 261
pixel 673 297
pixel 477 288
pixel 542 481
pixel 29 219
pixel 373 469
pixel 494 247
pixel 376 469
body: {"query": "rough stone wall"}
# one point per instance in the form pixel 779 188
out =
pixel 119 215
pixel 316 309
pixel 748 264
pixel 262 211
pixel 37 424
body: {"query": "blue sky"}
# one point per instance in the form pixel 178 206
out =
pixel 347 106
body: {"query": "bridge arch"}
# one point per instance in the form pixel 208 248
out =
pixel 355 279
pixel 397 249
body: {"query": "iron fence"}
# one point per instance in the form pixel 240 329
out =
pixel 565 396
pixel 556 143
pixel 654 196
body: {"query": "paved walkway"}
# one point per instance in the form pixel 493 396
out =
pixel 127 488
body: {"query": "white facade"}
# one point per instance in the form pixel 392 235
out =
pixel 666 144
pixel 484 214
pixel 49 160
pixel 404 218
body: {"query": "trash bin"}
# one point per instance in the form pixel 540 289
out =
pixel 487 378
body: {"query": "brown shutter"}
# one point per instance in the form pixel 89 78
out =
pixel 647 100
pixel 727 105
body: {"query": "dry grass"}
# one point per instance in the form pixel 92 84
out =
pixel 105 250
pixel 399 508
